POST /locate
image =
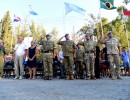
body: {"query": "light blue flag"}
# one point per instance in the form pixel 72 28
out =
pixel 70 7
pixel 33 13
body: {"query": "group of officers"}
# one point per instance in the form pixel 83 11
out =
pixel 71 51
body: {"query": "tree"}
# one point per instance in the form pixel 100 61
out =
pixel 125 22
pixel 33 29
pixel 7 31
pixel 54 33
pixel 74 36
pixel 116 26
pixel 37 31
pixel 0 29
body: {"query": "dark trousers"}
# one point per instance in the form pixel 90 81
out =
pixel 56 65
pixel 79 69
pixel 62 70
pixel 97 68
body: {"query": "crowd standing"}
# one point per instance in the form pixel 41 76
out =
pixel 85 55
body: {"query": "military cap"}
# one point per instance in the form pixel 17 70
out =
pixel 87 34
pixel 110 32
pixel 48 35
pixel 66 34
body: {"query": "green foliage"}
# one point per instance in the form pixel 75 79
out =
pixel 0 28
pixel 117 26
pixel 37 31
pixel 7 32
pixel 54 33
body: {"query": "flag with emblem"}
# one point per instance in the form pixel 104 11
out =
pixel 107 4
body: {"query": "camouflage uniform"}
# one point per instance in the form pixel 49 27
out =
pixel 112 45
pixel 48 50
pixel 89 47
pixel 2 52
pixel 79 62
pixel 68 47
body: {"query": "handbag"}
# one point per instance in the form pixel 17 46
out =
pixel 24 62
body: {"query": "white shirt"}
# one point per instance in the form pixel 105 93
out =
pixel 20 49
pixel 61 55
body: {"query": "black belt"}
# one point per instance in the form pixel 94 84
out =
pixel 90 52
pixel 48 51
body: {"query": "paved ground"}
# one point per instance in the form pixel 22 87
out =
pixel 102 89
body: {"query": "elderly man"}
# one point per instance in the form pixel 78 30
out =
pixel 113 52
pixel 20 50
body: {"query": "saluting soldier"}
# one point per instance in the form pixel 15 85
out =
pixel 89 47
pixel 48 48
pixel 113 52
pixel 69 52
pixel 2 53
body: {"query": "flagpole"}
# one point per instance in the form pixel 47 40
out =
pixel 100 18
pixel 29 24
pixel 12 40
pixel 63 18
pixel 127 34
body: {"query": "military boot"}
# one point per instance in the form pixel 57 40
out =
pixel 113 77
pixel 67 77
pixel 72 77
pixel 93 78
pixel 45 78
pixel 119 77
pixel 50 78
pixel 88 78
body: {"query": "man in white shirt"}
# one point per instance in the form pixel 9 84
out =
pixel 20 52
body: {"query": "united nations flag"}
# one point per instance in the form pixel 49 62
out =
pixel 107 4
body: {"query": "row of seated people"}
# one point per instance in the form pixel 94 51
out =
pixel 58 67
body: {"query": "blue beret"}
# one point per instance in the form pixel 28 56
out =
pixel 66 34
pixel 87 34
pixel 110 32
pixel 48 35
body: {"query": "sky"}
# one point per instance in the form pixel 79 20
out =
pixel 51 13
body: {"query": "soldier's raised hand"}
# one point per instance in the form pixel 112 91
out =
pixel 62 37
pixel 43 37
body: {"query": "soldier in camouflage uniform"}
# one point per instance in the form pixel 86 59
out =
pixel 79 61
pixel 2 53
pixel 69 51
pixel 113 52
pixel 48 47
pixel 89 47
